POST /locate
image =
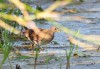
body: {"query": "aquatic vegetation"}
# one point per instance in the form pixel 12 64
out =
pixel 6 46
pixel 68 55
pixel 11 19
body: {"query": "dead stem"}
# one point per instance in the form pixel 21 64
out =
pixel 68 64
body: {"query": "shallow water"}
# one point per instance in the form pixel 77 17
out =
pixel 88 9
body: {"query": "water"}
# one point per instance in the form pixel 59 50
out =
pixel 89 9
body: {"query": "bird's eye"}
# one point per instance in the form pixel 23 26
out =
pixel 24 32
pixel 55 28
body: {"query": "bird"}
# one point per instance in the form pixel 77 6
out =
pixel 48 35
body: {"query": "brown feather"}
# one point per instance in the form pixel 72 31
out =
pixel 48 35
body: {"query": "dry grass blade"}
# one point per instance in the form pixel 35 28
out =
pixel 57 4
pixel 8 27
pixel 21 6
pixel 81 36
pixel 3 5
pixel 82 44
pixel 21 21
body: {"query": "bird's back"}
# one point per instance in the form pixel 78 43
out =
pixel 44 38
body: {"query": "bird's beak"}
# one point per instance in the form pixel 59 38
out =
pixel 58 30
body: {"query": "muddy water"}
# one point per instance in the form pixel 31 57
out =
pixel 88 59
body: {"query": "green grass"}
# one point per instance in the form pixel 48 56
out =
pixel 68 55
pixel 23 57
pixel 6 46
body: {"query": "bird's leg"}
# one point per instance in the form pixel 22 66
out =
pixel 16 51
pixel 32 50
pixel 37 47
pixel 41 49
pixel 33 47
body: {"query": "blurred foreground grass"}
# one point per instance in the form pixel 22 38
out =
pixel 13 15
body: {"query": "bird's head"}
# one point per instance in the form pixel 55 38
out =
pixel 55 29
pixel 25 33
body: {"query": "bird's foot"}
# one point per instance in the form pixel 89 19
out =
pixel 38 49
pixel 41 49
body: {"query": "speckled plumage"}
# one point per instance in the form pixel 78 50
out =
pixel 48 35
